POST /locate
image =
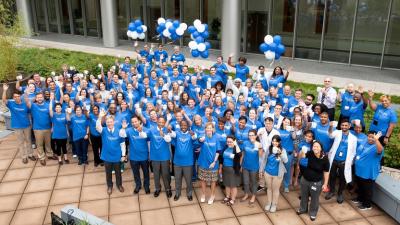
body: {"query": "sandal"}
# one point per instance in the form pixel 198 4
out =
pixel 231 202
pixel 251 204
pixel 226 200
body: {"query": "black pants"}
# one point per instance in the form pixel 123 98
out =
pixel 60 146
pixel 364 192
pixel 331 114
pixel 337 169
pixel 96 146
pixel 136 165
pixel 172 161
pixel 110 166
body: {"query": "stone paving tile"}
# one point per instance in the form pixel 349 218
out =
pixel 282 202
pixel 341 212
pixel 242 208
pixel 128 190
pixel 183 200
pixel 34 200
pixel 7 154
pixel 219 195
pixel 226 221
pixel 4 163
pixel 149 202
pixel 98 208
pixel 2 173
pixel 45 171
pixel 292 198
pixel 33 216
pixel 256 219
pixel 68 181
pixel 18 164
pixel 216 211
pixel 9 202
pixel 157 217
pixel 124 205
pixel 285 217
pixel 65 196
pixel 187 214
pixel 94 192
pixel 68 169
pixel 40 184
pixel 57 210
pixel 14 187
pixel 126 219
pixel 379 220
pixel 94 178
pixel 322 218
pixel 5 217
pixel 361 221
pixel 17 174
pixel 375 211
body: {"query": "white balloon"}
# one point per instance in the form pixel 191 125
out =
pixel 201 47
pixel 183 26
pixel 160 20
pixel 196 23
pixel 129 33
pixel 141 36
pixel 168 24
pixel 198 26
pixel 270 55
pixel 192 45
pixel 201 28
pixel 179 31
pixel 134 35
pixel 166 33
pixel 144 27
pixel 268 39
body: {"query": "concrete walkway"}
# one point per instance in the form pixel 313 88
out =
pixel 383 81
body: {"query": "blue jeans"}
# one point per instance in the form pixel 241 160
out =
pixel 136 165
pixel 287 176
pixel 81 147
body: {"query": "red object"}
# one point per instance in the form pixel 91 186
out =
pixel 325 190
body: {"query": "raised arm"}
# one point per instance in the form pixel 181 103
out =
pixel 230 61
pixel 286 75
pixel 4 97
pixel 371 103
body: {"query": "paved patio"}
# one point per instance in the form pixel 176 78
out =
pixel 29 192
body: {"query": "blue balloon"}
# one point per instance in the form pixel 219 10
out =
pixel 138 23
pixel 277 56
pixel 174 36
pixel 191 29
pixel 196 34
pixel 204 54
pixel 264 47
pixel 171 29
pixel 139 30
pixel 272 47
pixel 280 49
pixel 176 23
pixel 168 20
pixel 208 45
pixel 131 27
pixel 195 53
pixel 277 39
pixel 206 26
pixel 205 34
pixel 199 40
pixel 159 29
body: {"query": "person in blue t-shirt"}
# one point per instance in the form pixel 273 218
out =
pixel 251 151
pixel 183 158
pixel 385 117
pixel 20 123
pixel 95 137
pixel 59 132
pixel 287 144
pixel 231 158
pixel 139 154
pixel 160 56
pixel 80 126
pixel 321 131
pixel 367 166
pixel 242 71
pixel 178 57
pixel 222 69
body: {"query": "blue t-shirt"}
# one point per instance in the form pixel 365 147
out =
pixel 92 125
pixel 111 145
pixel 59 126
pixel 41 116
pixel 347 102
pixel 138 147
pixel 272 165
pixel 341 152
pixel 220 71
pixel 183 149
pixel 368 162
pixel 286 141
pixel 178 57
pixel 383 117
pixel 241 135
pixel 79 125
pixel 19 114
pixel 228 161
pixel 157 55
pixel 250 158
pixel 159 148
pixel 242 72
pixel 321 134
pixel 209 149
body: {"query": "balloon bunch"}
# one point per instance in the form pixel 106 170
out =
pixel 136 30
pixel 272 47
pixel 199 45
pixel 170 29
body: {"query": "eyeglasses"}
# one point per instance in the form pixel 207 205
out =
pixel 251 135
pixel 327 81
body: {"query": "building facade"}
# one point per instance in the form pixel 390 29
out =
pixel 352 32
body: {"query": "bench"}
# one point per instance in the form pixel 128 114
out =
pixel 387 195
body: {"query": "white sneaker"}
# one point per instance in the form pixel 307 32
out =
pixel 211 200
pixel 113 172
pixel 34 146
pixel 273 208
pixel 203 199
pixel 286 190
pixel 267 207
pixel 74 156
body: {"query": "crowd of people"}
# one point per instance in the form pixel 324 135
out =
pixel 253 130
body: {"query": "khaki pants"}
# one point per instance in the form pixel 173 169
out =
pixel 24 142
pixel 273 184
pixel 43 138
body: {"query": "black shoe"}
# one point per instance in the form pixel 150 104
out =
pixel 176 198
pixel 363 207
pixel 300 212
pixel 340 199
pixel 157 193
pixel 60 163
pixel 259 188
pixel 147 191
pixel 87 162
pixel 101 164
pixel 24 160
pixel 79 163
pixel 121 189
pixel 32 158
pixel 355 201
pixel 66 161
pixel 169 193
pixel 109 190
pixel 136 190
pixel 329 195
pixel 190 198
pixel 312 218
pixel 96 164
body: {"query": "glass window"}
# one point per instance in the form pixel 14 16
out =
pixel 370 31
pixel 52 14
pixel 77 17
pixel 338 30
pixel 392 48
pixel 122 20
pixel 191 12
pixel 212 16
pixel 172 9
pixel 153 13
pixel 309 29
pixel 64 17
pixel 257 23
pixel 40 15
pixel 283 14
pixel 92 14
pixel 136 12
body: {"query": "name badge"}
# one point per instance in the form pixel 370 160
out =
pixel 340 154
pixel 358 157
pixel 313 188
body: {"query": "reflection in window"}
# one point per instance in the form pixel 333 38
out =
pixel 64 17
pixel 153 13
pixel 40 15
pixel 91 16
pixel 283 15
pixel 52 14
pixel 172 9
pixel 77 17
pixel 257 23
pixel 392 49
pixel 122 20
pixel 212 16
